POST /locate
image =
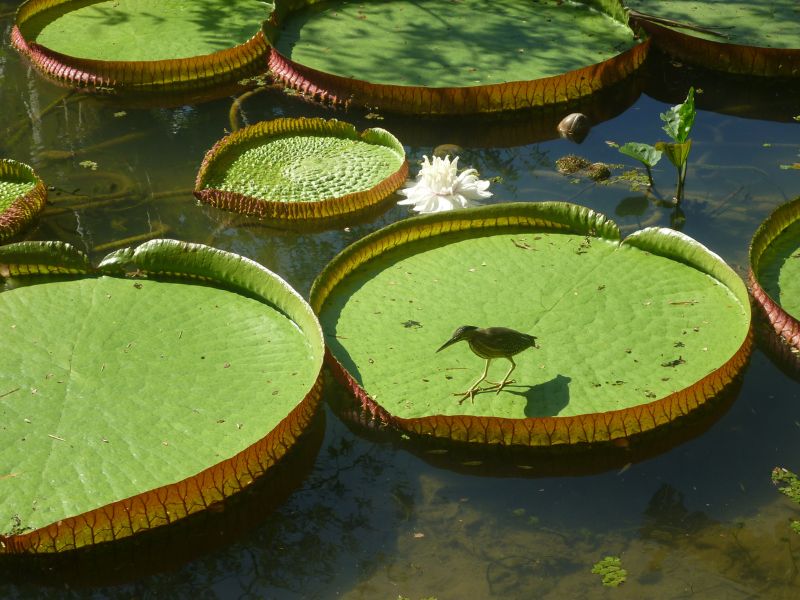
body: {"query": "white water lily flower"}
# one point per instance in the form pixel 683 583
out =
pixel 440 187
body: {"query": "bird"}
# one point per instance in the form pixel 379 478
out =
pixel 490 343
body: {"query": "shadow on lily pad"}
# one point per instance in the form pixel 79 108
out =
pixel 545 399
pixel 498 460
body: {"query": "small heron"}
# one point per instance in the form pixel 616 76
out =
pixel 490 343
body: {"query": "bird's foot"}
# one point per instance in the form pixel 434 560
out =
pixel 470 393
pixel 499 385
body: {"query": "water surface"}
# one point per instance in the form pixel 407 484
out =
pixel 379 518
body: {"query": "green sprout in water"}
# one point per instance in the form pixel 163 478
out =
pixel 645 153
pixel 678 122
pixel 611 570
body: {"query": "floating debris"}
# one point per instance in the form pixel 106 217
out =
pixel 571 163
pixel 611 570
pixel 574 127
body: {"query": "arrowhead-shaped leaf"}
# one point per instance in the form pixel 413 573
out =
pixel 679 119
pixel 644 153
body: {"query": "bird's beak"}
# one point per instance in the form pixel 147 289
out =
pixel 449 342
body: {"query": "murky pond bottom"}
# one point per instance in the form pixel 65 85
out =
pixel 378 518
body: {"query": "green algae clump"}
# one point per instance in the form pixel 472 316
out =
pixel 611 570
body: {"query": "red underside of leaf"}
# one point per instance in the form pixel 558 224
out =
pixel 22 211
pixel 457 100
pixel 606 427
pixel 276 210
pixel 611 426
pixel 731 58
pixel 171 502
pixel 298 211
pixel 167 75
pixel 784 324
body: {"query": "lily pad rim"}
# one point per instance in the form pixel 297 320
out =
pixel 707 387
pixel 24 208
pixel 786 326
pixel 124 517
pixel 175 73
pixel 314 210
pixel 312 82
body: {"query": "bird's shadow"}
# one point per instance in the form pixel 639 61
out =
pixel 545 399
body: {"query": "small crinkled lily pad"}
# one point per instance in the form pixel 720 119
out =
pixel 735 36
pixel 167 379
pixel 632 334
pixel 301 169
pixel 22 196
pixel 436 57
pixel 775 271
pixel 142 45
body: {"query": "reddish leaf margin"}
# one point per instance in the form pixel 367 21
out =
pixel 784 324
pixel 721 56
pixel 23 210
pixel 168 503
pixel 513 95
pixel 170 75
pixel 616 426
pixel 282 212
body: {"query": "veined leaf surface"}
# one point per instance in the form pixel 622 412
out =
pixel 451 57
pixel 737 36
pixel 638 332
pixel 22 196
pixel 145 400
pixel 775 270
pixel 142 45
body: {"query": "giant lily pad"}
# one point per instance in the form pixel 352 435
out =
pixel 301 169
pixel 775 270
pixel 143 391
pixel 439 57
pixel 736 36
pixel 142 45
pixel 22 196
pixel 633 334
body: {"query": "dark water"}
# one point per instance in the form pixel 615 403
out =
pixel 377 518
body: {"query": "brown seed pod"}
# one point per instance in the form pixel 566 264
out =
pixel 574 127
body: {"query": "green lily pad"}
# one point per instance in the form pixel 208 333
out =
pixel 173 376
pixel 22 196
pixel 738 36
pixel 142 44
pixel 448 57
pixel 775 270
pixel 301 169
pixel 632 334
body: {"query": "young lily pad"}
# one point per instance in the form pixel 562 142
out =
pixel 142 45
pixel 632 334
pixel 462 57
pixel 22 196
pixel 301 169
pixel 736 36
pixel 775 271
pixel 172 376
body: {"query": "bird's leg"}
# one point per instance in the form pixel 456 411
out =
pixel 471 391
pixel 505 381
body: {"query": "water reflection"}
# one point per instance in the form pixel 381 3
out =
pixel 377 518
